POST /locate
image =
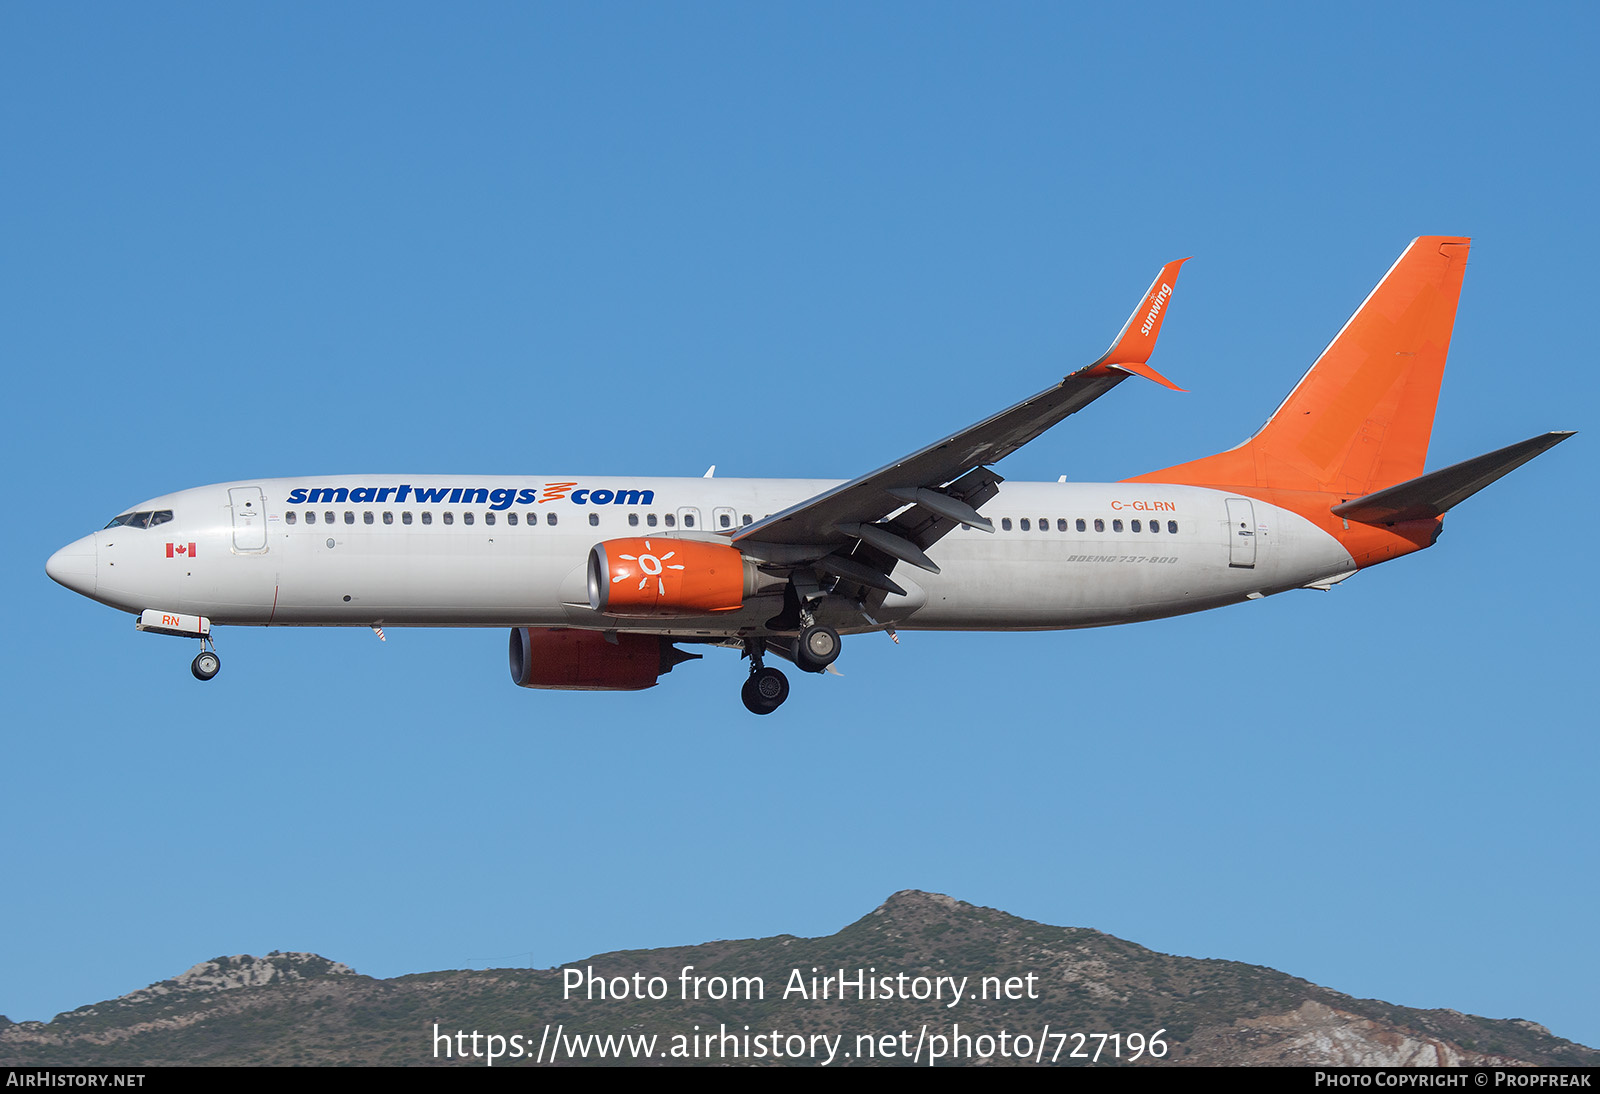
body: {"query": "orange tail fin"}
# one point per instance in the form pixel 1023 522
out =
pixel 1360 420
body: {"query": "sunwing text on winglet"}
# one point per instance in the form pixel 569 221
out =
pixel 1133 347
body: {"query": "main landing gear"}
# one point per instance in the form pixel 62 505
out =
pixel 766 689
pixel 817 648
pixel 206 663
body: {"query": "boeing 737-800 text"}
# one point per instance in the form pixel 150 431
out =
pixel 601 580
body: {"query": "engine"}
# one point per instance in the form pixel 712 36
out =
pixel 663 576
pixel 572 660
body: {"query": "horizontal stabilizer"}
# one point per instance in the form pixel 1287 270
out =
pixel 1435 493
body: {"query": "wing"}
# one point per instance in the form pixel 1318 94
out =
pixel 843 531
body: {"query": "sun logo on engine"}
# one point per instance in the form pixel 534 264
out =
pixel 651 566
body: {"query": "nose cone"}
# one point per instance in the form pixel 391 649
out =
pixel 74 566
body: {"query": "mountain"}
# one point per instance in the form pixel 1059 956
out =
pixel 914 972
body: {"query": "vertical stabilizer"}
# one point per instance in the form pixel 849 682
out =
pixel 1361 418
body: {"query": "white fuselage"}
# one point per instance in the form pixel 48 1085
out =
pixel 512 551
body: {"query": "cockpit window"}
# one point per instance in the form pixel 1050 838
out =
pixel 147 519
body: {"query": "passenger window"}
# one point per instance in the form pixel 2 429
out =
pixel 594 520
pixel 327 517
pixel 1061 524
pixel 388 518
pixel 1005 524
pixel 1082 527
pixel 1116 526
pixel 650 519
pixel 633 520
pixel 311 516
pixel 688 520
pixel 1099 524
pixel 488 518
pixel 366 518
pixel 405 518
pixel 1135 526
pixel 672 521
pixel 427 518
pixel 349 517
pixel 466 518
pixel 449 518
pixel 1172 526
pixel 747 519
pixel 289 516
pixel 725 520
pixel 550 519
pixel 1155 526
pixel 511 519
pixel 1026 527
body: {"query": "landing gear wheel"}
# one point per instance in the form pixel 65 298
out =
pixel 205 665
pixel 765 691
pixel 817 648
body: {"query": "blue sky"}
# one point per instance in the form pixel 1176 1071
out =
pixel 264 240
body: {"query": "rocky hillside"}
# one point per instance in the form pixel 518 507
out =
pixel 924 976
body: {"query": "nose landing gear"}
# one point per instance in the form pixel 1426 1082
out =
pixel 206 663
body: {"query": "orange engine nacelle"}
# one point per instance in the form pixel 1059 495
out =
pixel 663 576
pixel 571 660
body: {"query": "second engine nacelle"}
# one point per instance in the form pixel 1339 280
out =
pixel 573 660
pixel 662 576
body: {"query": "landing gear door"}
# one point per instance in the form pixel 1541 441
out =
pixel 1241 533
pixel 249 518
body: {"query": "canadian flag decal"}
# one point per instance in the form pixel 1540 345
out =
pixel 184 549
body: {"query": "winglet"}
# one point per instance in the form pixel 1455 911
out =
pixel 1147 372
pixel 1131 351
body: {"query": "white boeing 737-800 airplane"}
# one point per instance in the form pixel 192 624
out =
pixel 601 580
